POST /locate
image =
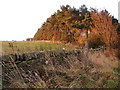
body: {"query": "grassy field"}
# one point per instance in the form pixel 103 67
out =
pixel 32 46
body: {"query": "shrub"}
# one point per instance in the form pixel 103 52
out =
pixel 95 40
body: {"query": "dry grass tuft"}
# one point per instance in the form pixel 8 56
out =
pixel 102 62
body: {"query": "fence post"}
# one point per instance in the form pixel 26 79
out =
pixel 86 48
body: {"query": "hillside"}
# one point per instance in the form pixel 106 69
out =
pixel 58 68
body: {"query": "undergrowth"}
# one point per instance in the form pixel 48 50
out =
pixel 60 71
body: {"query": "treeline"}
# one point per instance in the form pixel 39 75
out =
pixel 64 25
pixel 69 24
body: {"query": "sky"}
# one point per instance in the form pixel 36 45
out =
pixel 20 19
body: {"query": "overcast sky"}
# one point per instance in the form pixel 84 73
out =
pixel 20 19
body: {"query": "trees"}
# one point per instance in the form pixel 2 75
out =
pixel 68 23
pixel 105 26
pixel 61 26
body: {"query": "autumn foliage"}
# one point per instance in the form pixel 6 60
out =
pixel 69 25
pixel 64 25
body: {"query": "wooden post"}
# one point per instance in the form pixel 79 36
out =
pixel 86 48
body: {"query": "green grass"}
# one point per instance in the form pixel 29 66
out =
pixel 32 46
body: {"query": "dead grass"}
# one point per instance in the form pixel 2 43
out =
pixel 63 72
pixel 103 63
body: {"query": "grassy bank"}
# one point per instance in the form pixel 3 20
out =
pixel 32 46
pixel 58 68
